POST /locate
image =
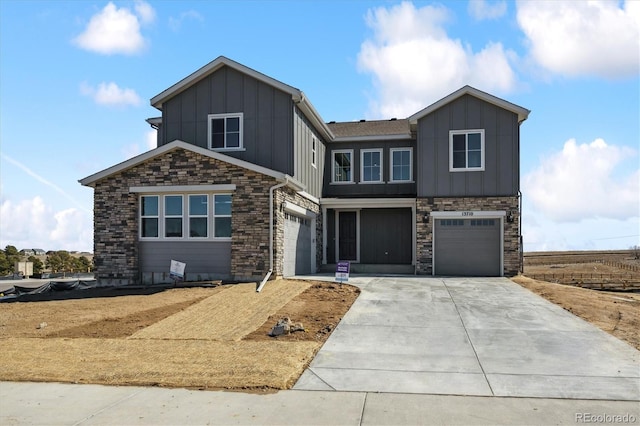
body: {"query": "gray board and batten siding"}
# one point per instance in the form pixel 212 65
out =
pixel 501 172
pixel 201 257
pixel 358 189
pixel 267 117
pixel 306 171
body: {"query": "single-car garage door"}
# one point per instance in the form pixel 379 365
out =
pixel 297 245
pixel 467 247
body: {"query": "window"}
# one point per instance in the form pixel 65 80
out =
pixel 173 216
pixel 342 166
pixel 225 131
pixel 466 150
pixel 452 222
pixel 483 222
pixel 313 151
pixel 222 216
pixel 149 215
pixel 198 216
pixel 401 164
pixel 371 165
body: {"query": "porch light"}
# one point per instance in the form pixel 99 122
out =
pixel 510 216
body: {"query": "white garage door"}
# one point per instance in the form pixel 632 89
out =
pixel 297 245
pixel 467 247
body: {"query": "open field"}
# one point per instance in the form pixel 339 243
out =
pixel 603 270
pixel 206 338
pixel 601 287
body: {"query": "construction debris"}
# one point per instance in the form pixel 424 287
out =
pixel 285 326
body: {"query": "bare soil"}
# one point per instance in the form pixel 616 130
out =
pixel 206 338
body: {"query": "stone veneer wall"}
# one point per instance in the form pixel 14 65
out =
pixel 116 213
pixel 287 194
pixel 424 250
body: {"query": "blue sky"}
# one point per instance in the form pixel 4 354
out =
pixel 76 78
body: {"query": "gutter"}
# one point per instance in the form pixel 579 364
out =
pixel 287 181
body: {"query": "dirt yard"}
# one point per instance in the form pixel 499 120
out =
pixel 566 273
pixel 205 338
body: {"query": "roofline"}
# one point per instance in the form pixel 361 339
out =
pixel 214 65
pixel 399 136
pixel 144 157
pixel 314 116
pixel 522 113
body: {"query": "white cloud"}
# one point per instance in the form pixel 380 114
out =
pixel 578 38
pixel 116 30
pixel 150 142
pixel 584 182
pixel 482 9
pixel 32 224
pixel 176 23
pixel 109 94
pixel 414 62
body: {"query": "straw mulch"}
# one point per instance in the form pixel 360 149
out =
pixel 228 315
pixel 196 347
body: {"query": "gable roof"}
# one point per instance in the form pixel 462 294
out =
pixel 367 130
pixel 521 112
pixel 297 95
pixel 178 144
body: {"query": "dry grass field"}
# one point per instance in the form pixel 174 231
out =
pixel 205 338
pixel 600 287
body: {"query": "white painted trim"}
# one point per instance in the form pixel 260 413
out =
pixel 391 151
pixel 178 144
pixel 522 113
pixel 465 214
pixel 225 116
pixel 381 166
pixel 353 203
pixel 297 210
pixel 182 188
pixel 482 150
pixel 402 136
pixel 333 164
pixel 324 235
pixel 309 197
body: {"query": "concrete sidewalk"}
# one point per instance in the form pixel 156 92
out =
pixel 469 336
pixel 66 404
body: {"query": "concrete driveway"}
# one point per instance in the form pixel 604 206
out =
pixel 469 336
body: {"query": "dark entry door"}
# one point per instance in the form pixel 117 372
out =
pixel 347 243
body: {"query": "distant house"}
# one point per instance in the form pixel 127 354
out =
pixel 39 252
pixel 248 180
pixel 27 252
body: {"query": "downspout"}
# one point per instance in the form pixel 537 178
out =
pixel 271 190
pixel 521 266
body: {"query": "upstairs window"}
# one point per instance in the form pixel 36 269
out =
pixel 371 165
pixel 466 150
pixel 342 166
pixel 225 131
pixel 401 165
pixel 313 151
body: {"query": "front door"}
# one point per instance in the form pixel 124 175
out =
pixel 347 236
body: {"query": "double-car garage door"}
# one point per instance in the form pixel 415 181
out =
pixel 467 247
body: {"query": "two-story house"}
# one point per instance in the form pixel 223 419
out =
pixel 248 181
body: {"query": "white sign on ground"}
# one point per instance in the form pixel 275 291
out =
pixel 342 272
pixel 177 270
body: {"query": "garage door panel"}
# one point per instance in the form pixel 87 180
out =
pixel 297 246
pixel 467 247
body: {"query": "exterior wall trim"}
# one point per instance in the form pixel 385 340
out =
pixel 372 138
pixel 297 210
pixel 338 203
pixel 474 213
pixel 182 188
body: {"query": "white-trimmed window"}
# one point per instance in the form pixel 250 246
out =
pixel 342 166
pixel 173 216
pixel 314 150
pixel 198 216
pixel 185 216
pixel 466 150
pixel 225 131
pixel 149 216
pixel 371 166
pixel 222 215
pixel 401 164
